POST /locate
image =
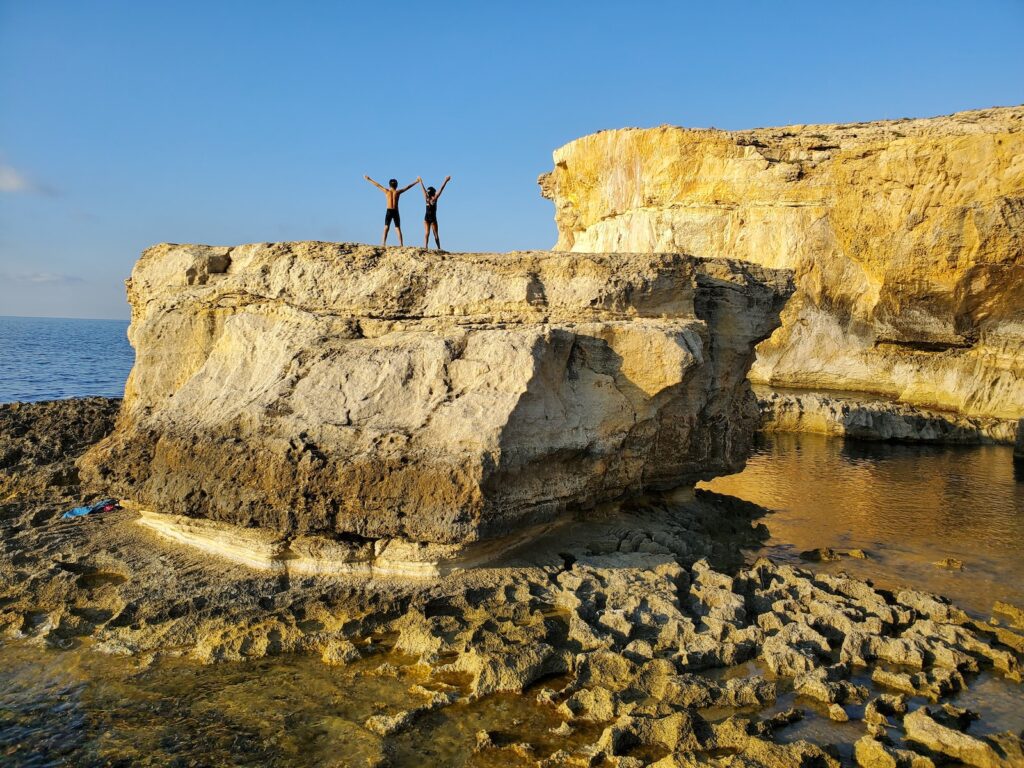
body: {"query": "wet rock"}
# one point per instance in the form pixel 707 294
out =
pixel 932 607
pixel 881 708
pixel 873 753
pixel 933 683
pixel 794 649
pixel 590 704
pixel 837 713
pixel 339 651
pixel 922 729
pixel 827 554
pixel 385 725
pixel 826 684
pixel 1013 612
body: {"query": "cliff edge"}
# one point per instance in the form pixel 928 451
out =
pixel 445 398
pixel 906 239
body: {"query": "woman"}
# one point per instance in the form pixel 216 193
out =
pixel 432 195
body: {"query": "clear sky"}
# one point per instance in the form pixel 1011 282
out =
pixel 124 124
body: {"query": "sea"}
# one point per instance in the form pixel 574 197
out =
pixel 49 358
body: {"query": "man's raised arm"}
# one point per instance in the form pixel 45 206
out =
pixel 378 186
pixel 419 180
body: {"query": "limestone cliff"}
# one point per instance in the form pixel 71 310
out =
pixel 395 393
pixel 906 239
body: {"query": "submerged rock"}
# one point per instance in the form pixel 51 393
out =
pixel 396 394
pixel 905 237
pixel 925 730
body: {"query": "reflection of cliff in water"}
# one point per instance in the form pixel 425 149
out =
pixel 908 506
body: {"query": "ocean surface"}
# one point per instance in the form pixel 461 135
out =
pixel 908 507
pixel 48 358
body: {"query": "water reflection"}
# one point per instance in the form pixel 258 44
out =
pixel 908 506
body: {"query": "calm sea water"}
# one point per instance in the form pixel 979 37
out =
pixel 909 507
pixel 46 358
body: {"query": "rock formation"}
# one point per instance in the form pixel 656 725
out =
pixel 906 238
pixel 398 395
pixel 845 416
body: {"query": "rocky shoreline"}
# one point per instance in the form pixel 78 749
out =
pixel 643 629
pixel 876 419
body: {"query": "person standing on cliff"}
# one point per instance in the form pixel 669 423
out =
pixel 432 195
pixel 392 193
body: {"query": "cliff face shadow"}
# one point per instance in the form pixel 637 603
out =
pixel 644 530
pixel 592 426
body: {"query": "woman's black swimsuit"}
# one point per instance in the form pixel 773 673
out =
pixel 431 215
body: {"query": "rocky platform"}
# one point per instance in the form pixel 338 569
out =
pixel 906 238
pixel 396 399
pixel 641 632
pixel 856 417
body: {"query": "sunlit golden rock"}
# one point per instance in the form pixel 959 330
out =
pixel 906 238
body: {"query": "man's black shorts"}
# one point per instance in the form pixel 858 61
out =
pixel 392 215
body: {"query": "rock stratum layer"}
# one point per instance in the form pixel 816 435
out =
pixel 906 239
pixel 399 394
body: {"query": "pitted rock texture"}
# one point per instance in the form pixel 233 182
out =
pixel 906 238
pixel 444 398
pixel 641 635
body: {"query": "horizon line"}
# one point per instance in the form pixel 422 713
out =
pixel 56 317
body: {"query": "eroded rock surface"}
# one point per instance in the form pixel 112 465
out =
pixel 846 416
pixel 640 634
pixel 906 238
pixel 399 394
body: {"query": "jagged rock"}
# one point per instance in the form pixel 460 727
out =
pixel 932 607
pixel 837 713
pixel 873 753
pixel 794 649
pixel 905 237
pixel 340 651
pixel 881 708
pixel 593 704
pixel 923 729
pixel 827 686
pixel 1015 613
pixel 406 396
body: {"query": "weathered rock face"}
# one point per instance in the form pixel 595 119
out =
pixel 315 387
pixel 792 411
pixel 906 239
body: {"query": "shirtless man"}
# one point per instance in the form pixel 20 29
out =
pixel 392 193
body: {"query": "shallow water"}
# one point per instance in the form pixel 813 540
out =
pixel 906 506
pixel 83 708
pixel 48 358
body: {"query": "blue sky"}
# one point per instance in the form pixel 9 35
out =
pixel 124 124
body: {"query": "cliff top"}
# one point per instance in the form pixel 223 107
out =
pixel 975 121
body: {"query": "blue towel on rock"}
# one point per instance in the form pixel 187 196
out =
pixel 102 506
